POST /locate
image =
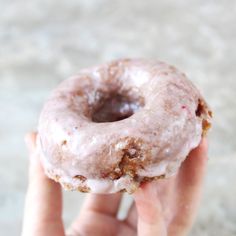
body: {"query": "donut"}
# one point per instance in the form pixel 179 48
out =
pixel 115 126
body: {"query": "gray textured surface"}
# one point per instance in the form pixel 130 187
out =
pixel 43 42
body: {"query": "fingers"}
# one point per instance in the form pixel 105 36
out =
pixel 189 187
pixel 103 203
pixel 193 168
pixel 97 211
pixel 178 197
pixel 191 174
pixel 132 216
pixel 149 209
pixel 43 206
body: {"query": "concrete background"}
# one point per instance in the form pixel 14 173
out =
pixel 43 42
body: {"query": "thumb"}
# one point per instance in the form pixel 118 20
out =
pixel 150 217
pixel 43 205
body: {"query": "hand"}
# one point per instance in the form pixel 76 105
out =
pixel 160 208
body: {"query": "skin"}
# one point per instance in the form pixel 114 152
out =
pixel 163 207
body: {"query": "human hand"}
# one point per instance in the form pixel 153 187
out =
pixel 163 207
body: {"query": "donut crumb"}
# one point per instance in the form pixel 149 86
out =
pixel 80 177
pixel 134 155
pixel 83 189
pixel 206 125
pixel 203 112
pixel 200 108
pixel 210 114
pixel 64 143
pixel 149 179
pixel 67 186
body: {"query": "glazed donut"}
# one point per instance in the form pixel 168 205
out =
pixel 115 126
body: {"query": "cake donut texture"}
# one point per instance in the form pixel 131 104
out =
pixel 112 127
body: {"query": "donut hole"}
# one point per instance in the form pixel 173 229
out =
pixel 116 107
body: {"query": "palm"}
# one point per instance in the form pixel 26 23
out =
pixel 164 207
pixel 96 223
